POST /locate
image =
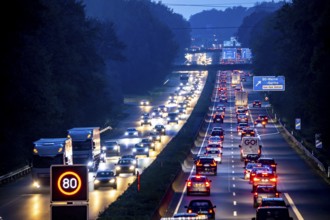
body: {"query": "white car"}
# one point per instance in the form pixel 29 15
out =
pixel 215 153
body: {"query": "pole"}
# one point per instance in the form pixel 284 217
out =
pixel 138 180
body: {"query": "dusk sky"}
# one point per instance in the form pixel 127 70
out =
pixel 190 7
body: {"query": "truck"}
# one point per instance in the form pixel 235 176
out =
pixel 235 79
pixel 86 145
pixel 250 145
pixel 48 152
pixel 241 98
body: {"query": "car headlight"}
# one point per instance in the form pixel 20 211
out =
pixel 126 133
pixel 176 118
pixel 146 150
pixel 112 181
pixel 115 147
pixel 141 103
pixel 104 148
pixel 168 118
pixel 90 163
pixel 152 144
pixel 132 167
pixel 96 181
pixel 134 150
pixel 147 103
pixel 158 137
pixel 135 133
pixel 163 129
pixel 117 167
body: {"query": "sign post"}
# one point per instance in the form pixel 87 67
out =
pixel 69 191
pixel 298 124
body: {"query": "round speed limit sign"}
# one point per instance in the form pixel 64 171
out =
pixel 69 183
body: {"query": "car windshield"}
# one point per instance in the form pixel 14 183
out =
pixel 200 204
pixel 124 161
pixel 105 174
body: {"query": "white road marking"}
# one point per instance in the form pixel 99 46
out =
pixel 293 206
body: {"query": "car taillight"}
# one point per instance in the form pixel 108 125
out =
pixel 207 184
pixel 273 165
pixel 189 184
pixel 210 211
pixel 256 179
pixel 273 179
pixel 277 195
pixel 199 164
pixel 213 164
pixel 189 211
pixel 259 151
pixel 256 194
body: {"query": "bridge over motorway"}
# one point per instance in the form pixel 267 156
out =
pixel 247 67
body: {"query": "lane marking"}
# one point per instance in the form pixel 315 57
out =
pixel 293 206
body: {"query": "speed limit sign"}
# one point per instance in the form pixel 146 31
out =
pixel 69 183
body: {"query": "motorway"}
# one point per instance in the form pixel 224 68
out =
pixel 19 200
pixel 300 186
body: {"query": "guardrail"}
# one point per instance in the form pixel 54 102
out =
pixel 15 174
pixel 305 150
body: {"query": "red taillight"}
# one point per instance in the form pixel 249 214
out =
pixel 189 211
pixel 273 165
pixel 256 179
pixel 277 195
pixel 213 164
pixel 199 164
pixel 273 179
pixel 259 151
pixel 207 184
pixel 255 194
pixel 210 211
pixel 189 183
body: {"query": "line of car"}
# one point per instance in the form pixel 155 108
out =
pixel 171 112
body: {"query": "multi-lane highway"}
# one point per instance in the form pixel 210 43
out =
pixel 298 183
pixel 19 200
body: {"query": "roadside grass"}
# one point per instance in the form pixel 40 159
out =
pixel 158 177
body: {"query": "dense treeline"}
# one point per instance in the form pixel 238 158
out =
pixel 152 42
pixel 214 26
pixel 294 42
pixel 60 69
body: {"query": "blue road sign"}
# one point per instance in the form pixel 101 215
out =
pixel 298 124
pixel 268 83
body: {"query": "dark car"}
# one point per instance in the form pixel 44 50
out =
pixel 268 161
pixel 155 137
pixel 206 165
pixel 260 122
pixel 251 158
pixel 242 118
pixel 264 191
pixel 273 202
pixel 146 121
pixel 264 178
pixel 218 117
pixel 248 132
pixel 241 126
pixel 201 206
pixel 197 184
pixel 272 212
pixel 110 149
pixel 219 133
pixel 256 103
pixel 105 178
pixel 173 117
pixel 125 165
pixel 140 149
pixel 263 117
pixel 148 143
pixel 160 129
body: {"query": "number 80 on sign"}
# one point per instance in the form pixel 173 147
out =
pixel 69 183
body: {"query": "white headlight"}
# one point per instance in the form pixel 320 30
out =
pixel 132 167
pixel 126 133
pixel 90 163
pixel 96 181
pixel 112 181
pixel 135 133
pixel 118 168
pixel 134 150
pixel 104 148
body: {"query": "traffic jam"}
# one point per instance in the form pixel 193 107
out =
pixel 129 154
pixel 230 107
